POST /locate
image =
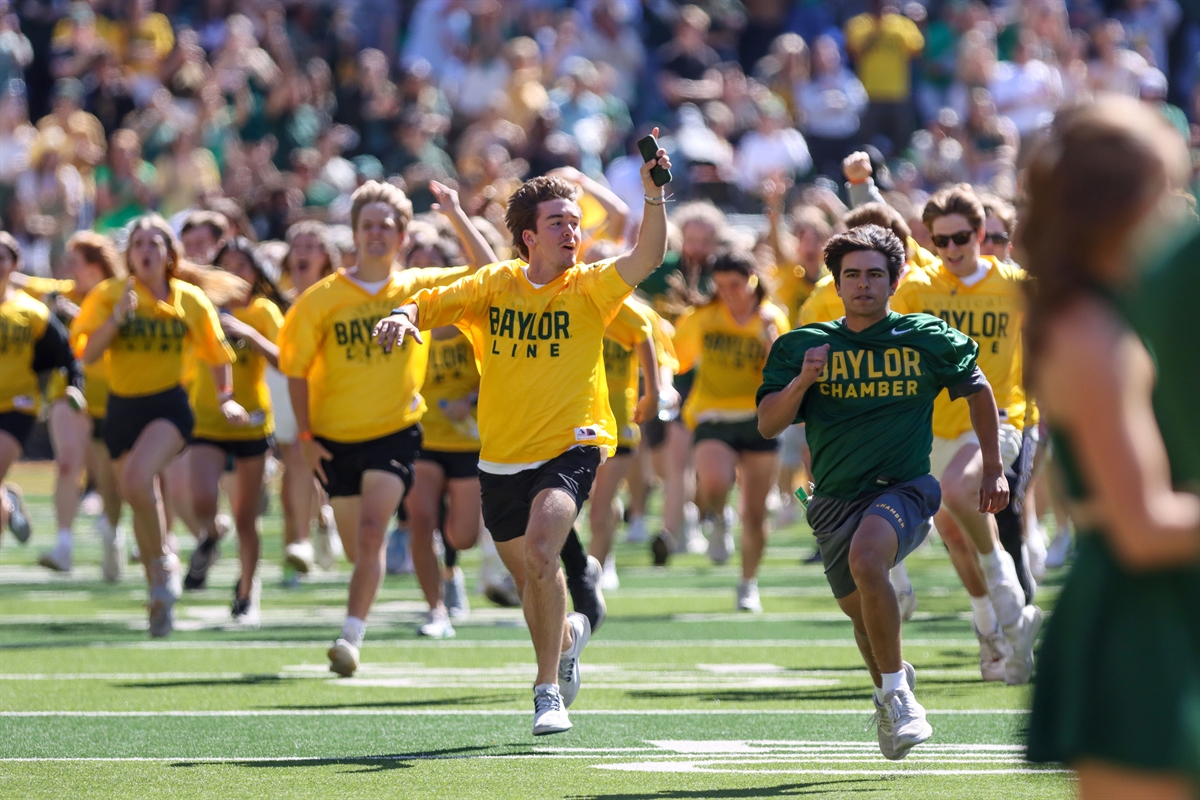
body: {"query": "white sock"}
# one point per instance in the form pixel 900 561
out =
pixel 354 630
pixel 64 541
pixel 899 576
pixel 983 614
pixel 879 695
pixel 893 681
pixel 993 562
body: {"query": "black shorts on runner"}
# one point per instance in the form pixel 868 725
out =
pixel 741 436
pixel 454 465
pixel 127 417
pixel 654 433
pixel 623 450
pixel 238 448
pixel 508 498
pixel 18 425
pixel 99 427
pixel 393 453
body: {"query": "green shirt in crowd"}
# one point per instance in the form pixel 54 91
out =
pixel 870 414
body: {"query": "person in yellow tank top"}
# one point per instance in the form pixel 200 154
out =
pixel 728 341
pixel 984 299
pixel 360 441
pixel 32 340
pixel 140 326
pixel 537 324
pixel 251 324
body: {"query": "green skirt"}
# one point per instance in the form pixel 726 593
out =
pixel 1118 673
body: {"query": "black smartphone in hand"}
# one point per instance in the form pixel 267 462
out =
pixel 648 146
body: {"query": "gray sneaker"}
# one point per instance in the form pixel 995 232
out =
pixel 883 720
pixel 18 519
pixel 455 593
pixel 549 711
pixel 568 662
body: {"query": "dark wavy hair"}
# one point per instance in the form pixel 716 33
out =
pixel 865 237
pixel 263 286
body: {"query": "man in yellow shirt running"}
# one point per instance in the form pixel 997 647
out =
pixel 545 424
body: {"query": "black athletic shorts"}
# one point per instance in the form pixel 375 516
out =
pixel 455 465
pixel 654 433
pixel 99 426
pixel 238 448
pixel 127 417
pixel 393 453
pixel 741 436
pixel 18 425
pixel 623 450
pixel 508 498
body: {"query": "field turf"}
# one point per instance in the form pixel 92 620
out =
pixel 681 697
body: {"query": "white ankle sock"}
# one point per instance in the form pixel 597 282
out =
pixel 983 614
pixel 354 630
pixel 993 562
pixel 893 681
pixel 64 541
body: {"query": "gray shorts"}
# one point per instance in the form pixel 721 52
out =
pixel 909 506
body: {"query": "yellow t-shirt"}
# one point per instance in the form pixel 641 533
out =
pixel 825 305
pixel 729 358
pixel 95 377
pixel 356 391
pixel 664 336
pixel 147 354
pixel 992 312
pixel 249 381
pixel 791 288
pixel 452 375
pixel 627 330
pixel 542 388
pixel 23 322
pixel 882 48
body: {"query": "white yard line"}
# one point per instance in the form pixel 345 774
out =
pixel 414 712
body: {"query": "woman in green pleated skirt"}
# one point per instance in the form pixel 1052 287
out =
pixel 1117 691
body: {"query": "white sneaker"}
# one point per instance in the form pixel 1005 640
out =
pixel 883 720
pixel 454 592
pixel 58 559
pixel 636 533
pixel 1059 549
pixel 343 658
pixel 609 582
pixel 112 561
pixel 502 590
pixel 247 610
pixel 299 556
pixel 165 590
pixel 437 625
pixel 692 538
pixel 906 718
pixel 720 536
pixel 1036 550
pixel 774 499
pixel 1022 636
pixel 549 711
pixel 1008 598
pixel 747 597
pixel 568 662
pixel 908 603
pixel 994 651
pixel 326 556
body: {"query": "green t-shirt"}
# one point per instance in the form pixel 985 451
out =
pixel 1164 313
pixel 870 414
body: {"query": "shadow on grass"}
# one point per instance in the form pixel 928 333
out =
pixel 815 788
pixel 185 683
pixel 469 700
pixel 364 764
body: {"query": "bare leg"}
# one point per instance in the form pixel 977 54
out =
pixel 381 495
pixel 1099 780
pixel 178 490
pixel 963 554
pixel 603 512
pixel 756 473
pixel 852 607
pixel 424 505
pixel 100 467
pixel 155 447
pixel 249 476
pixel 872 554
pixel 10 451
pixel 206 463
pixel 677 452
pixel 70 432
pixel 295 494
pixel 716 468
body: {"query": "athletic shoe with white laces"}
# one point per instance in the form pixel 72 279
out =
pixel 549 711
pixel 883 720
pixel 609 581
pixel 455 593
pixel 994 651
pixel 343 658
pixel 437 625
pixel 398 558
pixel 719 530
pixel 323 541
pixel 1022 636
pixel 907 719
pixel 568 662
pixel 908 603
pixel 502 590
pixel 636 533
pixel 246 610
pixel 747 597
pixel 18 518
pixel 113 558
pixel 299 556
pixel 58 559
pixel 203 557
pixel 1059 549
pixel 165 591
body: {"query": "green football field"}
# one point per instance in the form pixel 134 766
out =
pixel 681 697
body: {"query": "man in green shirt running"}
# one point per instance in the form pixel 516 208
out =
pixel 865 386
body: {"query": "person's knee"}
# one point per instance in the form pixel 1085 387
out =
pixel 953 537
pixel 137 486
pixel 868 560
pixel 960 494
pixel 541 559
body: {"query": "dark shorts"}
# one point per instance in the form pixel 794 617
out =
pixel 909 506
pixel 99 427
pixel 128 416
pixel 508 498
pixel 654 433
pixel 238 448
pixel 454 465
pixel 18 425
pixel 393 453
pixel 741 436
pixel 623 450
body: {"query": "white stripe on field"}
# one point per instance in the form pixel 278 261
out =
pixel 466 644
pixel 413 712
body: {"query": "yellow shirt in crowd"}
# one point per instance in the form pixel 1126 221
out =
pixel 825 305
pixel 992 312
pixel 542 388
pixel 95 375
pixel 791 288
pixel 729 356
pixel 249 381
pixel 147 354
pixel 451 376
pixel 356 391
pixel 627 330
pixel 882 48
pixel 23 322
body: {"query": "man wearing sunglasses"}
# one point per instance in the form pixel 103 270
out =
pixel 999 220
pixel 981 297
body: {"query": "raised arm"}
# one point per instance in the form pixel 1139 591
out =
pixel 479 252
pixel 636 265
pixel 776 411
pixel 647 358
pixel 985 419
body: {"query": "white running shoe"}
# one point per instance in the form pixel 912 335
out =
pixel 165 590
pixel 454 592
pixel 883 720
pixel 549 711
pixel 609 581
pixel 437 625
pixel 774 499
pixel 1036 549
pixel 1059 549
pixel 908 723
pixel 636 533
pixel 1008 598
pixel 994 651
pixel 502 590
pixel 1019 668
pixel 326 555
pixel 343 658
pixel 58 559
pixel 113 559
pixel 299 556
pixel 247 610
pixel 692 540
pixel 908 603
pixel 720 536
pixel 747 597
pixel 568 662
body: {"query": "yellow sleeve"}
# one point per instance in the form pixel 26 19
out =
pixel 204 330
pixel 912 36
pixel 606 288
pixel 808 311
pixel 38 288
pixel 433 277
pixel 687 341
pixel 300 337
pixel 857 29
pixel 902 301
pixel 440 305
pixel 629 327
pixel 96 308
pixel 268 320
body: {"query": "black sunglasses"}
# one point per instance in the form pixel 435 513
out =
pixel 960 238
pixel 997 238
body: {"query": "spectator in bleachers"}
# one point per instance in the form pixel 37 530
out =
pixel 883 45
pixel 125 185
pixel 831 105
pixel 689 66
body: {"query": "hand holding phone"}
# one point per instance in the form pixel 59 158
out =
pixel 648 146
